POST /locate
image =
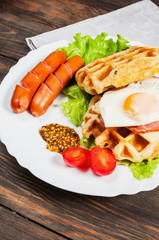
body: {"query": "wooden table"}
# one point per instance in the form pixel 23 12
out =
pixel 32 209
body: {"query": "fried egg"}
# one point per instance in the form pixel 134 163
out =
pixel 134 105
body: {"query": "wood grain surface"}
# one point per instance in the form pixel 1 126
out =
pixel 14 226
pixel 32 209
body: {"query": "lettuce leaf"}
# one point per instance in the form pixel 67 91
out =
pixel 87 142
pixel 140 170
pixel 90 49
pixel 144 169
pixel 77 104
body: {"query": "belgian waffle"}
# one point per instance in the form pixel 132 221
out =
pixel 119 69
pixel 93 124
pixel 123 143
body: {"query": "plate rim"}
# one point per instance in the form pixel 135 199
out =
pixel 3 139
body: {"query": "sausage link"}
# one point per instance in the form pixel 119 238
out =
pixel 19 101
pixel 33 79
pixel 45 95
pixel 53 85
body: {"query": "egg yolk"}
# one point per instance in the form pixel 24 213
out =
pixel 141 104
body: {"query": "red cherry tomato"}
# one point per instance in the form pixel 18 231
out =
pixel 102 161
pixel 76 156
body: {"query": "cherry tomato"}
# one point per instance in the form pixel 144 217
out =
pixel 102 161
pixel 76 156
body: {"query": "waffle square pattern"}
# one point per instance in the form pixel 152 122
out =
pixel 123 143
pixel 118 69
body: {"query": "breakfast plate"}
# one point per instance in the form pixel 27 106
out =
pixel 20 134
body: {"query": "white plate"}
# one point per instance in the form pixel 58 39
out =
pixel 20 134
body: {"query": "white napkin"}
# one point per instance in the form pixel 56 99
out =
pixel 136 22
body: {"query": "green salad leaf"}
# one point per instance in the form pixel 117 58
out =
pixel 90 49
pixel 87 142
pixel 140 170
pixel 144 169
pixel 77 104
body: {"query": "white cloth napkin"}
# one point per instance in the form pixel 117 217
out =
pixel 136 22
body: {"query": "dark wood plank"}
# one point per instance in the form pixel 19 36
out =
pixel 35 17
pixel 21 19
pixel 5 65
pixel 73 215
pixel 14 226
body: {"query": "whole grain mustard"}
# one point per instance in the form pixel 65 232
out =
pixel 59 138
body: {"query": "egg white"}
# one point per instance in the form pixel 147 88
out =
pixel 111 105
